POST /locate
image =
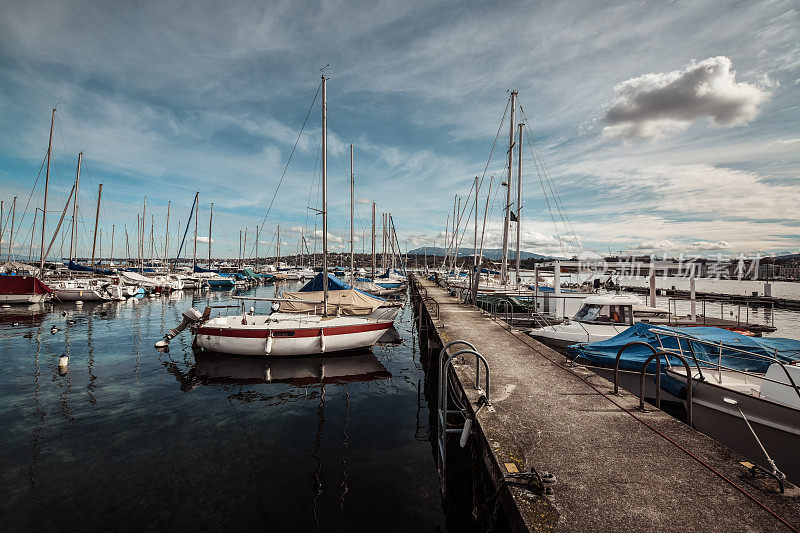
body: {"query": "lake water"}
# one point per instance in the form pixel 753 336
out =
pixel 133 439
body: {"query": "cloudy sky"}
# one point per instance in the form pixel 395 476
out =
pixel 665 127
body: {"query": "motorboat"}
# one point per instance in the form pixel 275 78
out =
pixel 600 317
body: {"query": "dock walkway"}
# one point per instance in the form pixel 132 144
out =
pixel 617 468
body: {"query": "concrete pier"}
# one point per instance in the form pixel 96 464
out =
pixel 617 468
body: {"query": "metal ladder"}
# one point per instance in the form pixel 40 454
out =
pixel 443 412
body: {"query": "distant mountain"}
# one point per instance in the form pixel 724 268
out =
pixel 493 254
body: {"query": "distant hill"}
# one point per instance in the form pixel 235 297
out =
pixel 493 254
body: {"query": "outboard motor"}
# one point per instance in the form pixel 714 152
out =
pixel 190 316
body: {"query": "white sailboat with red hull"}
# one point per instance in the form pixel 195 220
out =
pixel 348 320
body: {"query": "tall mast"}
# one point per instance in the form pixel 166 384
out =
pixel 141 236
pixel 96 220
pixel 152 229
pixel 73 238
pixel 127 245
pixel 113 227
pixel 11 235
pixel 196 213
pixel 507 220
pixel 519 195
pixel 278 249
pixel 210 219
pixel 352 205
pixel 1 227
pixel 166 238
pixel 373 241
pixel 255 262
pixel 239 257
pixel 33 232
pixel 324 195
pixel 244 247
pixel 46 185
pixel 475 242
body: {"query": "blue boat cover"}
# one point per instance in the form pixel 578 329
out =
pixel 604 353
pixel 334 284
pixel 198 269
pixel 77 267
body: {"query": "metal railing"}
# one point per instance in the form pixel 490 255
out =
pixel 443 395
pixel 657 356
pixel 672 304
pixel 721 350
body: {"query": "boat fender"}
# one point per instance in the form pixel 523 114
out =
pixel 268 346
pixel 321 340
pixel 465 432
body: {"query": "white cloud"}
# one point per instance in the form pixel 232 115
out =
pixel 706 245
pixel 660 104
pixel 200 238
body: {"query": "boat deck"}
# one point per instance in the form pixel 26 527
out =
pixel 617 468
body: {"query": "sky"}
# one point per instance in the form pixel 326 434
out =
pixel 657 127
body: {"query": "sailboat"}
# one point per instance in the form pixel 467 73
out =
pixel 319 325
pixel 26 289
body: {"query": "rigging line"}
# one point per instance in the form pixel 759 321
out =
pixel 536 150
pixel 544 193
pixel 291 154
pixel 556 196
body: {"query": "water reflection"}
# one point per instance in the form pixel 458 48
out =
pixel 212 368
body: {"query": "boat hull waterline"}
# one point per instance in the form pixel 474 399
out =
pixel 280 341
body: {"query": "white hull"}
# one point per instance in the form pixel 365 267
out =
pixel 22 298
pixel 84 295
pixel 281 335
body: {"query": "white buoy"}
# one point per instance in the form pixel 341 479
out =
pixel 79 302
pixel 6 306
pixel 63 364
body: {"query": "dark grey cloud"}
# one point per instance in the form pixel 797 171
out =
pixel 654 105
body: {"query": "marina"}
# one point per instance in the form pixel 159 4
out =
pixel 450 267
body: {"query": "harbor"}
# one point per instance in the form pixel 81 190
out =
pixel 448 267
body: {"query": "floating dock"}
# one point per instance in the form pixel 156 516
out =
pixel 616 468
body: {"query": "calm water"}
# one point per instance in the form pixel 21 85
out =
pixel 132 438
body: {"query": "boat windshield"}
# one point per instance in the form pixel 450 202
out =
pixel 604 314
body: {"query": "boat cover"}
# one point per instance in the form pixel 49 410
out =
pixel 346 301
pixel 138 279
pixel 334 284
pixel 77 267
pixel 604 353
pixel 23 285
pixel 198 270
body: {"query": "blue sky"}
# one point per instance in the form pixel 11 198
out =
pixel 666 127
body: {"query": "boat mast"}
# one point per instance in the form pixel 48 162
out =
pixel 166 238
pixel 352 204
pixel 507 220
pixel 46 185
pixel 210 219
pixel 519 194
pixel 96 220
pixel 373 241
pixel 33 232
pixel 255 262
pixel 152 229
pixel 244 246
pixel 324 195
pixel 278 249
pixel 11 235
pixel 197 212
pixel 73 248
pixel 475 270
